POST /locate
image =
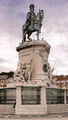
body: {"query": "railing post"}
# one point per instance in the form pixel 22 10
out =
pixel 65 102
pixel 43 98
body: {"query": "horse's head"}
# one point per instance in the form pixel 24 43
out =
pixel 41 13
pixel 39 16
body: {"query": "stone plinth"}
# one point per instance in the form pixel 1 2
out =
pixel 32 71
pixel 32 58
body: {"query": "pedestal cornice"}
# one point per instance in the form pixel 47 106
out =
pixel 33 43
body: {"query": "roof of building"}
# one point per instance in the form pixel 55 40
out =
pixel 61 77
pixel 3 77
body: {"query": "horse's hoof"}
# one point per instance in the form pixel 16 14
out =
pixel 30 39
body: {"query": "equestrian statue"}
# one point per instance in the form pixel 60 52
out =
pixel 33 23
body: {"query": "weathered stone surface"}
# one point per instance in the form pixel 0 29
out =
pixel 33 70
pixel 33 43
pixel 32 56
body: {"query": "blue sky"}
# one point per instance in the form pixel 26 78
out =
pixel 54 31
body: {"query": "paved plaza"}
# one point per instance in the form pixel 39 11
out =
pixel 39 119
pixel 63 116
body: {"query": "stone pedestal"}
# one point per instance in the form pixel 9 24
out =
pixel 32 71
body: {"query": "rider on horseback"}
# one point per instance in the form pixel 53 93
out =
pixel 29 21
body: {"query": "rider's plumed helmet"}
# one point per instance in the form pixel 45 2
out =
pixel 31 6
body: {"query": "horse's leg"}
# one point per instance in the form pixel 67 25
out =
pixel 24 35
pixel 29 34
pixel 37 35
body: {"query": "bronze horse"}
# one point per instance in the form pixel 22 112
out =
pixel 36 27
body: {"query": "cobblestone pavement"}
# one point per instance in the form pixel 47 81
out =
pixel 39 119
pixel 63 116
